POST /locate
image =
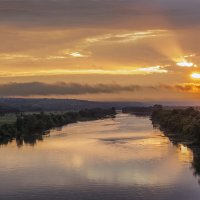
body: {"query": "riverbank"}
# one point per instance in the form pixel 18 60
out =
pixel 31 126
pixel 138 111
pixel 182 125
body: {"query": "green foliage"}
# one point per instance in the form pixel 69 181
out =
pixel 184 123
pixel 28 125
pixel 8 118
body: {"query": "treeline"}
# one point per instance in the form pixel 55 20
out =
pixel 181 124
pixel 54 105
pixel 29 125
pixel 138 110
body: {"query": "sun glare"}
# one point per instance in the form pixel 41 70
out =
pixel 185 64
pixel 195 75
pixel 76 54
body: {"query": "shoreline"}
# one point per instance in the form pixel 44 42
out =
pixel 29 128
pixel 190 139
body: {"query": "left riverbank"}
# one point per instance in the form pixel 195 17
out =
pixel 36 125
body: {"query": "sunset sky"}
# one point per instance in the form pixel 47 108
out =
pixel 100 49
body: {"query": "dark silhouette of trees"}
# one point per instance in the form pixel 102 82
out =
pixel 181 126
pixel 184 123
pixel 139 111
pixel 29 127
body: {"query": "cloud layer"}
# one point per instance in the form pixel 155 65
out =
pixel 62 88
pixel 129 42
pixel 38 88
pixel 86 13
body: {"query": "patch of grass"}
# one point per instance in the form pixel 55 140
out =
pixel 9 118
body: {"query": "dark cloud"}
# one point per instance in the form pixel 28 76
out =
pixel 97 13
pixel 62 88
pixel 188 87
pixel 44 89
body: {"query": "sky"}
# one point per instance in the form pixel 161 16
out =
pixel 144 50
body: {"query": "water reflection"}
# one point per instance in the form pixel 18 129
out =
pixel 196 162
pixel 20 141
pixel 188 154
pixel 185 154
pixel 191 155
pixel 31 140
pixel 122 158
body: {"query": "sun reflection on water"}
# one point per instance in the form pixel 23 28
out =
pixel 184 154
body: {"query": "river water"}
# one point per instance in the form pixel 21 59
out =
pixel 113 159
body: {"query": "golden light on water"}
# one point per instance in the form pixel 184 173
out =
pixel 184 153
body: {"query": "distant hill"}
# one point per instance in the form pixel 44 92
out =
pixel 7 109
pixel 22 104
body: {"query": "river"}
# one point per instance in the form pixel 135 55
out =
pixel 123 158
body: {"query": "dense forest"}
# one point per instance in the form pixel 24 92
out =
pixel 182 124
pixel 31 127
pixel 138 110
